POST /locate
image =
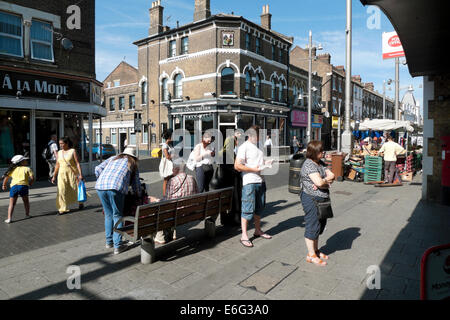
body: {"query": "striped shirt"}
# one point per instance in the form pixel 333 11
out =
pixel 182 185
pixel 115 175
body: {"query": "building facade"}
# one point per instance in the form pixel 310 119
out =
pixel 47 79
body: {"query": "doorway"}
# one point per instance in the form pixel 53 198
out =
pixel 122 141
pixel 46 128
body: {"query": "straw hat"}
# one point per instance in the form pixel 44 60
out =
pixel 18 159
pixel 131 151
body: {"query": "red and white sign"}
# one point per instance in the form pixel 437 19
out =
pixel 392 47
pixel 299 118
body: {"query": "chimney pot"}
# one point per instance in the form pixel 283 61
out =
pixel 202 10
pixel 266 18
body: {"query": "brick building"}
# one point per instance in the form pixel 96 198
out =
pixel 219 72
pixel 47 76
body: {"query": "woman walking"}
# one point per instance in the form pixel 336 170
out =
pixel 204 163
pixel 316 180
pixel 68 171
pixel 168 152
pixel 114 176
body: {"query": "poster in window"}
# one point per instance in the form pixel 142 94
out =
pixel 228 39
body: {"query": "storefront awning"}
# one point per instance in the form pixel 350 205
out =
pixel 50 105
pixel 423 28
pixel 384 125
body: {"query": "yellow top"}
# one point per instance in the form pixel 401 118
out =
pixel 391 150
pixel 21 176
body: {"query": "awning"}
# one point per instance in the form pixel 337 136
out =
pixel 384 125
pixel 423 27
pixel 50 105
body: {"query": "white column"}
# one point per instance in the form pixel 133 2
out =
pixel 33 139
pixel 91 140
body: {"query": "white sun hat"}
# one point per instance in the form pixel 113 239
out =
pixel 18 159
pixel 131 151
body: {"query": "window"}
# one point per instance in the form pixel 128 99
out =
pixel 178 86
pixel 280 55
pixel 248 84
pixel 227 81
pixel 114 136
pixel 258 86
pixel 165 89
pixel 117 83
pixel 10 35
pixel 295 94
pixel 280 92
pixel 334 83
pixel 97 136
pixel 184 45
pixel 144 92
pixel 248 41
pixel 145 134
pixel 112 104
pixel 172 48
pixel 132 102
pixel 132 137
pixel 302 91
pixel 258 46
pixel 274 90
pixel 121 103
pixel 274 52
pixel 41 41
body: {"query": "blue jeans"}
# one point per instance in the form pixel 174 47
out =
pixel 112 202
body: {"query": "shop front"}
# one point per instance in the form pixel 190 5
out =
pixel 34 106
pixel 316 127
pixel 298 127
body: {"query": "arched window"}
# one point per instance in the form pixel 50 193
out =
pixel 295 95
pixel 301 93
pixel 274 90
pixel 178 86
pixel 248 84
pixel 165 89
pixel 227 81
pixel 144 92
pixel 280 92
pixel 258 86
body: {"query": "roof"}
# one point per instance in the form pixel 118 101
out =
pixel 122 63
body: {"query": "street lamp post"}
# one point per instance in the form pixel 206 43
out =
pixel 384 96
pixel 310 58
pixel 347 135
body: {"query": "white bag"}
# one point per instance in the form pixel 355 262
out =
pixel 165 167
pixel 191 162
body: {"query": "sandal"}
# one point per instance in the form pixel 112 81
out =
pixel 248 245
pixel 263 235
pixel 322 255
pixel 316 260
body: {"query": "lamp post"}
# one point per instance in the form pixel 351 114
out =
pixel 310 58
pixel 384 96
pixel 347 135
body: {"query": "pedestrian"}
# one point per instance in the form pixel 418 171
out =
pixel 114 176
pixel 69 174
pixel 268 146
pixel 22 178
pixel 168 151
pixel 316 180
pixel 203 157
pixel 366 149
pixel 250 161
pixel 390 150
pixel 51 154
pixel 295 144
pixel 180 185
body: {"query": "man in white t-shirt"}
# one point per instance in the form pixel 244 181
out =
pixel 250 162
pixel 54 155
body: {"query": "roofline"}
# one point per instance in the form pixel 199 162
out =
pixel 118 67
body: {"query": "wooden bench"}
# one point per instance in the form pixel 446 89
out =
pixel 158 216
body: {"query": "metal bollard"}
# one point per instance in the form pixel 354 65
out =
pixel 147 251
pixel 210 228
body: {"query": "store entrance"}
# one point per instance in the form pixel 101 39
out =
pixel 44 129
pixel 123 137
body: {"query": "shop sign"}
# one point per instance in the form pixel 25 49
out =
pixel 392 47
pixel 299 118
pixel 317 121
pixel 34 86
pixel 193 109
pixel 335 122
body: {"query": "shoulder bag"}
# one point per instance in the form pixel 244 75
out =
pixel 324 210
pixel 165 167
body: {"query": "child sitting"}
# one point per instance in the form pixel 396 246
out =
pixel 22 178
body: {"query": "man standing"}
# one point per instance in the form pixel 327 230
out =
pixel 390 150
pixel 295 144
pixel 249 161
pixel 53 151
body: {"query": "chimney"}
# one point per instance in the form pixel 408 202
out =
pixel 369 86
pixel 156 18
pixel 326 57
pixel 357 78
pixel 266 18
pixel 202 10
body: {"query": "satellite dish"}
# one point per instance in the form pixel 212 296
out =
pixel 67 44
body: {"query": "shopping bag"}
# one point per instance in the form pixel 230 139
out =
pixel 191 162
pixel 82 196
pixel 165 168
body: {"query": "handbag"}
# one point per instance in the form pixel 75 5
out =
pixel 324 210
pixel 82 196
pixel 207 168
pixel 165 167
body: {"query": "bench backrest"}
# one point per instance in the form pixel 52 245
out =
pixel 172 213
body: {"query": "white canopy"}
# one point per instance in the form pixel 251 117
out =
pixel 385 124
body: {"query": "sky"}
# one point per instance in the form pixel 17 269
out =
pixel 120 23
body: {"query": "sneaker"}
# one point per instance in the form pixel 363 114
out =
pixel 120 249
pixel 8 221
pixel 109 246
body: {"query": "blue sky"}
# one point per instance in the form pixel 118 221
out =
pixel 119 23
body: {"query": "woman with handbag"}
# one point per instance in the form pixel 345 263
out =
pixel 68 171
pixel 168 153
pixel 316 180
pixel 203 158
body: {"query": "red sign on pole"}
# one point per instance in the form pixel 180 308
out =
pixel 392 46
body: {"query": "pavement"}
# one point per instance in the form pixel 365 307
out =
pixel 389 228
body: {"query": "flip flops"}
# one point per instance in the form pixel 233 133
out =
pixel 263 235
pixel 246 243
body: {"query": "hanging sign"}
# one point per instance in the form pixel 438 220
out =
pixel 392 47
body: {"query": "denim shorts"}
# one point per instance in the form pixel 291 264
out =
pixel 253 200
pixel 18 191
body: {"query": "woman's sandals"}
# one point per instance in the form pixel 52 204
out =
pixel 316 260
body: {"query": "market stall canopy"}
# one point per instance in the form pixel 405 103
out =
pixel 423 27
pixel 384 125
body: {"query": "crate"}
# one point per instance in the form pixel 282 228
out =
pixel 373 169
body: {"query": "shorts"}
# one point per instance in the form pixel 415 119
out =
pixel 253 200
pixel 18 191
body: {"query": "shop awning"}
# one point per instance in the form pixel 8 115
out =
pixel 384 125
pixel 423 27
pixel 50 105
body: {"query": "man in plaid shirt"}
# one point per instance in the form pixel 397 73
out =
pixel 180 185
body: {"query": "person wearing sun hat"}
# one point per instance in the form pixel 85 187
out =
pixel 114 176
pixel 22 178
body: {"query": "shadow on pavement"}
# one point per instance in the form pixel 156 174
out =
pixel 341 240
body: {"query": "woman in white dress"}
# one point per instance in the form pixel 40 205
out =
pixel 169 152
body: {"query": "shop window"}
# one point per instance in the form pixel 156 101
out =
pixel 260 121
pixel 165 89
pixel 248 84
pixel 75 131
pixel 41 41
pixel 112 104
pixel 245 122
pixel 14 135
pixel 121 103
pixel 11 36
pixel 132 102
pixel 227 118
pixel 178 86
pixel 172 48
pixel 258 86
pixel 184 45
pixel 281 131
pixel 227 81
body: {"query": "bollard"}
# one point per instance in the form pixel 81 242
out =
pixel 210 228
pixel 147 251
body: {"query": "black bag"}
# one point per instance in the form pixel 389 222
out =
pixel 207 168
pixel 47 154
pixel 324 210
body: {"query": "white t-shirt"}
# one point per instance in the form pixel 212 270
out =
pixel 253 157
pixel 53 148
pixel 204 157
pixel 268 143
